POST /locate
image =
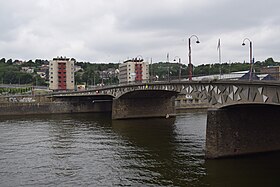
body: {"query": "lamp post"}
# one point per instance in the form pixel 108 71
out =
pixel 190 58
pixel 180 66
pixel 251 56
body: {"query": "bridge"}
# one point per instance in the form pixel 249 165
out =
pixel 242 118
pixel 218 94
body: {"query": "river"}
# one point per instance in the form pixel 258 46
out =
pixel 93 150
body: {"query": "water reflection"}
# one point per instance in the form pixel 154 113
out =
pixel 93 150
pixel 254 170
pixel 152 134
pixel 71 138
pixel 158 151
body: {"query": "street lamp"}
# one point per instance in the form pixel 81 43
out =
pixel 190 58
pixel 251 56
pixel 180 66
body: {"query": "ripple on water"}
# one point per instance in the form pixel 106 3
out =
pixel 87 150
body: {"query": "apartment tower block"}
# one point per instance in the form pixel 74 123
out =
pixel 61 74
pixel 135 70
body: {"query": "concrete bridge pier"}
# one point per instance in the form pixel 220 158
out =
pixel 242 129
pixel 144 105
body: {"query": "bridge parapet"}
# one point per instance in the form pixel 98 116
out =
pixel 217 93
pixel 118 91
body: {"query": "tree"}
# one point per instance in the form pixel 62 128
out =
pixel 25 78
pixel 10 62
pixel 3 61
pixel 38 81
pixel 269 62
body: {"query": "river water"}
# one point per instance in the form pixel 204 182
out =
pixel 93 150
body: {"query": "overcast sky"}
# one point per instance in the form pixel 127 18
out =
pixel 115 30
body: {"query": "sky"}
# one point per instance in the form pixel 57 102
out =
pixel 116 30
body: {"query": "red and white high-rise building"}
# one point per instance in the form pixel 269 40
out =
pixel 135 70
pixel 61 74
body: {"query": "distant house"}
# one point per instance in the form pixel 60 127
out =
pixel 27 69
pixel 77 68
pixel 42 73
pixel 44 67
pixel 273 71
pixel 19 62
pixel 81 87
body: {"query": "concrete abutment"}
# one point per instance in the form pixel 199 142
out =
pixel 125 108
pixel 242 129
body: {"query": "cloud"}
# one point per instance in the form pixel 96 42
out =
pixel 114 30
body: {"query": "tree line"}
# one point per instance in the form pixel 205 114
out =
pixel 165 70
pixel 96 73
pixel 10 73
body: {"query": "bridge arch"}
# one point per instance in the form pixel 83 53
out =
pixel 144 103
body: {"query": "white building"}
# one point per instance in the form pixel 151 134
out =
pixel 61 74
pixel 135 70
pixel 27 69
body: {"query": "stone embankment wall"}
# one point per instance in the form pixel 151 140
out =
pixel 40 104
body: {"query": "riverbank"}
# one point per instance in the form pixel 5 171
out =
pixel 43 104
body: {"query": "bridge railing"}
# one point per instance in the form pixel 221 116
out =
pixel 244 76
pixel 234 76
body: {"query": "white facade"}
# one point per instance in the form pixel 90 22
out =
pixel 133 71
pixel 61 74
